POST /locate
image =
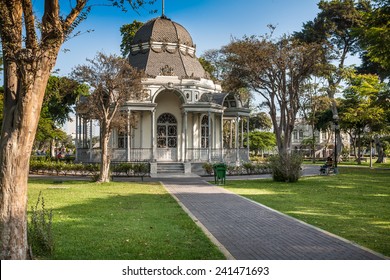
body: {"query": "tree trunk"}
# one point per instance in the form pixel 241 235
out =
pixel 359 150
pixel 104 175
pixel 24 91
pixel 314 142
pixel 381 153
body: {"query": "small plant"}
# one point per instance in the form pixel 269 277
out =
pixel 208 168
pixel 232 170
pixel 141 168
pixel 249 167
pixel 40 235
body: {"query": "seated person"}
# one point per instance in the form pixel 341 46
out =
pixel 328 164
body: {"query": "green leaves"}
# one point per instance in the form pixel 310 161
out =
pixel 374 33
pixel 128 32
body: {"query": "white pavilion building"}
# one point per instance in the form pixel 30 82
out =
pixel 186 118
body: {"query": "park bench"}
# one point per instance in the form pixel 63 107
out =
pixel 327 170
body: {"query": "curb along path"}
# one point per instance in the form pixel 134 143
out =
pixel 249 230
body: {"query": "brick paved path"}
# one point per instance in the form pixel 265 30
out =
pixel 249 230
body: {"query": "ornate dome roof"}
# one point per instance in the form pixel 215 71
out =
pixel 162 47
pixel 162 29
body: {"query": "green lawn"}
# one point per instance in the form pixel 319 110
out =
pixel 354 204
pixel 366 164
pixel 355 164
pixel 120 221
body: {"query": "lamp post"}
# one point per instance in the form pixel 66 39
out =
pixel 336 130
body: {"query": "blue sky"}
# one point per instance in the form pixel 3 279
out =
pixel 211 24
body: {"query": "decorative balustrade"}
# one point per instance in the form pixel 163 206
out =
pixel 121 155
pixel 145 154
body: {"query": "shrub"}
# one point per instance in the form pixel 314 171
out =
pixel 249 167
pixel 40 236
pixel 140 168
pixel 232 170
pixel 208 168
pixel 122 168
pixel 286 168
pixel 92 169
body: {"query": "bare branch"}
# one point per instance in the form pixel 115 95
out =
pixel 73 15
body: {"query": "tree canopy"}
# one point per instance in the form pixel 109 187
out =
pixel 276 70
pixel 60 98
pixel 374 32
pixel 128 32
pixel 113 82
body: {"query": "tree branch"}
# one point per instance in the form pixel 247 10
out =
pixel 50 19
pixel 75 12
pixel 10 28
pixel 29 19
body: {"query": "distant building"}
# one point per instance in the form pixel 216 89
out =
pixel 324 141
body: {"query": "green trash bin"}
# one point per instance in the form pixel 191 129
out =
pixel 219 173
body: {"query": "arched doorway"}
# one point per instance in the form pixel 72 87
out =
pixel 166 137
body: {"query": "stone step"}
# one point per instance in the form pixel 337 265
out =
pixel 170 167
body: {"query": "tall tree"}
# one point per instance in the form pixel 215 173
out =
pixel 333 28
pixel 260 121
pixel 114 82
pixel 208 67
pixel 276 71
pixel 313 101
pixel 215 58
pixel 60 97
pixel 30 49
pixel 128 32
pixel 374 32
pixel 260 141
pixel 360 112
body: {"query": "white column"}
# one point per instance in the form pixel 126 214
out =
pixel 247 137
pixel 77 127
pixel 214 124
pixel 141 130
pixel 193 135
pixel 84 133
pixel 77 140
pixel 221 137
pixel 185 135
pixel 231 134
pixel 236 138
pixel 128 136
pixel 209 135
pixel 153 126
pixel 242 132
pixel 90 140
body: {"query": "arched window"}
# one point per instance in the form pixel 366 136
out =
pixel 166 131
pixel 230 101
pixel 204 141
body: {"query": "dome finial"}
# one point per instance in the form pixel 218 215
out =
pixel 163 9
